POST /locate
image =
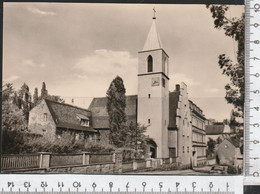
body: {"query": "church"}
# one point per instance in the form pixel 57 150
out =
pixel 169 116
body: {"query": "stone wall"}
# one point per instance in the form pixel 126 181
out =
pixel 115 166
pixel 41 121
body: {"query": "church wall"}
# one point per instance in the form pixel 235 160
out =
pixel 150 108
pixel 155 108
pixel 165 118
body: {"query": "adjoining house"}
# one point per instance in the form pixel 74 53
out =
pixel 229 152
pixel 179 129
pixel 51 119
pixel 218 131
pixel 199 144
pixel 100 118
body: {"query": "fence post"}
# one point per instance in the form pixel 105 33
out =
pixel 114 157
pixel 85 158
pixel 148 163
pixel 134 165
pixel 170 160
pixel 118 162
pixel 44 159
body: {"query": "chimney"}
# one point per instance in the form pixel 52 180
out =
pixel 177 87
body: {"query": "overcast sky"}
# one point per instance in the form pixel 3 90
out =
pixel 77 49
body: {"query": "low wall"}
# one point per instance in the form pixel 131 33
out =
pixel 211 162
pixel 87 163
pixel 73 163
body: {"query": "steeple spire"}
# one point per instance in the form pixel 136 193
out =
pixel 153 40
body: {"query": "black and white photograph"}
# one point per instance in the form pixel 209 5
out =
pixel 99 88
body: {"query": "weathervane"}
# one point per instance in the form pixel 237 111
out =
pixel 154 11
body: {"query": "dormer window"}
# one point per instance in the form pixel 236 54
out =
pixel 150 63
pixel 84 123
pixel 84 120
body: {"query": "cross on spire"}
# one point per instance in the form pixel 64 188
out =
pixel 154 11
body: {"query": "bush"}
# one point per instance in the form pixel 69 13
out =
pixel 98 147
pixel 232 170
pixel 131 154
pixel 16 142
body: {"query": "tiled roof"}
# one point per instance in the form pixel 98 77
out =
pixel 65 116
pixel 153 40
pixel 100 119
pixel 214 129
pixel 234 141
pixel 173 105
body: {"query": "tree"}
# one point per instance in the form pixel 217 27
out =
pixel 35 96
pixel 44 91
pixel 55 98
pixel 13 125
pixel 25 100
pixel 116 103
pixel 8 91
pixel 233 28
pixel 135 138
pixel 45 95
pixel 211 146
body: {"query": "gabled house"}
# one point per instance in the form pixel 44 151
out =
pixel 180 128
pixel 100 118
pixel 51 119
pixel 229 151
pixel 218 131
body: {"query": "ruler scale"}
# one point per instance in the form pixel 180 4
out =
pixel 252 97
pixel 120 184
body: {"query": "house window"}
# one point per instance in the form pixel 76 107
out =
pixel 84 123
pixel 183 151
pixel 188 149
pixel 149 95
pixel 150 63
pixel 163 82
pixel 149 121
pixel 45 116
pixel 77 136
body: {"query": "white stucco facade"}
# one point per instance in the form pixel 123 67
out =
pixel 153 92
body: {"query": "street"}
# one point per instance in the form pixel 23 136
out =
pixel 173 172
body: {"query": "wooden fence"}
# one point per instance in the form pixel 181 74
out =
pixel 20 161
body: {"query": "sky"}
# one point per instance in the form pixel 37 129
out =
pixel 78 49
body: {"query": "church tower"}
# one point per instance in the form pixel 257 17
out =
pixel 153 93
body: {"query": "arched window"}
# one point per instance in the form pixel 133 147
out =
pixel 150 63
